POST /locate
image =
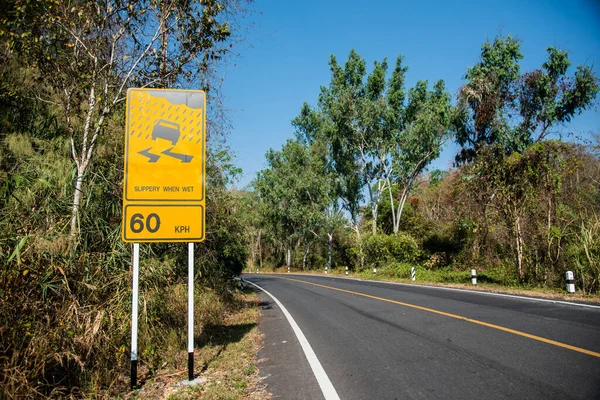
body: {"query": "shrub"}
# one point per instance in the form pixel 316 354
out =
pixel 383 249
pixel 584 255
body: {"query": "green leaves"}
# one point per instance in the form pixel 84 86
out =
pixel 376 134
pixel 577 96
pixel 17 251
pixel 557 64
pixel 294 190
pixel 376 81
pixel 499 105
pixel 499 64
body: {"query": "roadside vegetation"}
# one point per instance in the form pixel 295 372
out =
pixel 226 356
pixel 65 281
pixel 353 189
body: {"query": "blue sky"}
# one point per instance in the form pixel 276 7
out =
pixel 283 61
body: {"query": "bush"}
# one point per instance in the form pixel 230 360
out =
pixel 583 256
pixel 396 270
pixel 66 312
pixel 383 249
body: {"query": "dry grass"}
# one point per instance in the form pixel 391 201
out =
pixel 225 360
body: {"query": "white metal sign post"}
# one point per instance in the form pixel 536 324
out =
pixel 134 313
pixel 164 184
pixel 190 311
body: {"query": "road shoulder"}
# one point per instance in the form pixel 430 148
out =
pixel 282 365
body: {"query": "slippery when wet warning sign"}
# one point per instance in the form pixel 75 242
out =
pixel 165 146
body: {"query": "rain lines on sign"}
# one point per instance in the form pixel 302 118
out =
pixel 165 147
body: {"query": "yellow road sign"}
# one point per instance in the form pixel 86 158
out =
pixel 163 223
pixel 165 147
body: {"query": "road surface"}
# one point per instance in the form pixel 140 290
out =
pixel 375 340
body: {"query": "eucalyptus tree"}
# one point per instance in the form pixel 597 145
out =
pixel 353 117
pixel 294 192
pixel 336 188
pixel 276 215
pixel 424 128
pixel 86 54
pixel 377 136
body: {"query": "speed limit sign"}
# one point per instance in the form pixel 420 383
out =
pixel 165 147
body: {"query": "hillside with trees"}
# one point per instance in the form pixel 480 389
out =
pixel 65 282
pixel 353 189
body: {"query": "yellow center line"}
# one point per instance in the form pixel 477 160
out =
pixel 474 321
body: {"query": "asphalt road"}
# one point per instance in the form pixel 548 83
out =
pixel 381 341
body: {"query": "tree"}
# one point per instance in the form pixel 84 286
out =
pixel 353 114
pixel 86 54
pixel 294 191
pixel 375 135
pixel 499 105
pixel 341 189
pixel 502 113
pixel 424 130
pixel 253 210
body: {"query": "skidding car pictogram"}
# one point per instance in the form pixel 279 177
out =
pixel 168 131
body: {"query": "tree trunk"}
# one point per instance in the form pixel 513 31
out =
pixel 330 240
pixel 519 248
pixel 306 249
pixel 373 200
pixel 400 209
pixel 361 255
pixel 389 184
pixel 76 202
pixel 253 249
pixel 550 239
pixel 163 46
pixel 374 211
pixel 259 250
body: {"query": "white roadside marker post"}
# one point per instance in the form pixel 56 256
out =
pixel 570 281
pixel 134 314
pixel 413 273
pixel 257 270
pixel 190 311
pixel 474 277
pixel 346 271
pixel 326 270
pixel 288 270
pixel 374 271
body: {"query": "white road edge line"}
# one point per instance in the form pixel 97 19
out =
pixel 513 296
pixel 327 388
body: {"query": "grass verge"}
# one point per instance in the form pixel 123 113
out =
pixel 225 359
pixel 445 278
